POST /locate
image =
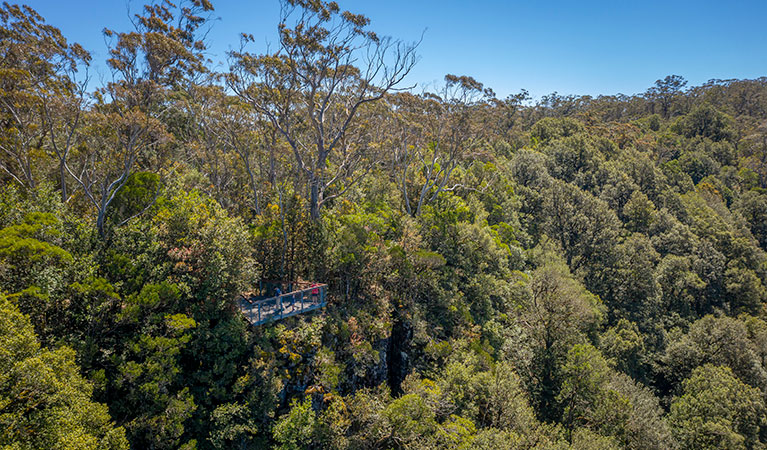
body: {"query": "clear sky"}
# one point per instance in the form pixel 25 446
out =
pixel 572 47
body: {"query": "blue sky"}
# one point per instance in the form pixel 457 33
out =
pixel 572 47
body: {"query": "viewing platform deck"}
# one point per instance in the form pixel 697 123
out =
pixel 261 311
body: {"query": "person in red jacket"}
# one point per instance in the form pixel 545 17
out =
pixel 315 292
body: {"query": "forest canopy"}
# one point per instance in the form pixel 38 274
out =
pixel 574 272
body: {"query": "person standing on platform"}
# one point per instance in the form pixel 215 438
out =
pixel 315 292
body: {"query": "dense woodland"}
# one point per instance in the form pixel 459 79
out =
pixel 570 273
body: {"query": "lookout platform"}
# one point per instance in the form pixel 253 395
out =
pixel 259 311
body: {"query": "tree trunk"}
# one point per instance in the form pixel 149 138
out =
pixel 314 199
pixel 63 176
pixel 100 222
pixel 254 186
pixel 284 236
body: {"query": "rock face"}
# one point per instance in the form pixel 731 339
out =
pixel 380 372
pixel 397 359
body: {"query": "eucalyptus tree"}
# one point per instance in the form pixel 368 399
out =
pixel 125 126
pixel 38 68
pixel 239 133
pixel 325 70
pixel 437 132
pixel 203 148
pixel 508 113
pixel 63 109
pixel 664 92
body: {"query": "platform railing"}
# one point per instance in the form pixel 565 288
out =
pixel 285 305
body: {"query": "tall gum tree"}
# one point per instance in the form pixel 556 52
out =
pixel 38 81
pixel 436 133
pixel 326 68
pixel 126 125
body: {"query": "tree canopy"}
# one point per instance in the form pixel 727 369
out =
pixel 574 272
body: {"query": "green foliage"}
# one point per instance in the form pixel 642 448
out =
pixel 300 428
pixel 705 121
pixel 679 284
pixel 698 165
pixel 639 212
pixel 548 129
pixel 717 411
pixel 583 225
pixel 583 375
pixel 501 273
pixel 753 207
pixel 283 235
pixel 202 248
pixel 585 439
pixel 45 402
pixel 23 241
pixel 632 290
pixel 137 195
pixel 26 249
pixel 557 312
pixel 149 369
pixel 722 341
pixel 409 419
pixel 612 404
pixel 624 345
pixel 232 427
pixel 34 269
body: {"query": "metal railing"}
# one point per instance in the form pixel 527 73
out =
pixel 259 312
